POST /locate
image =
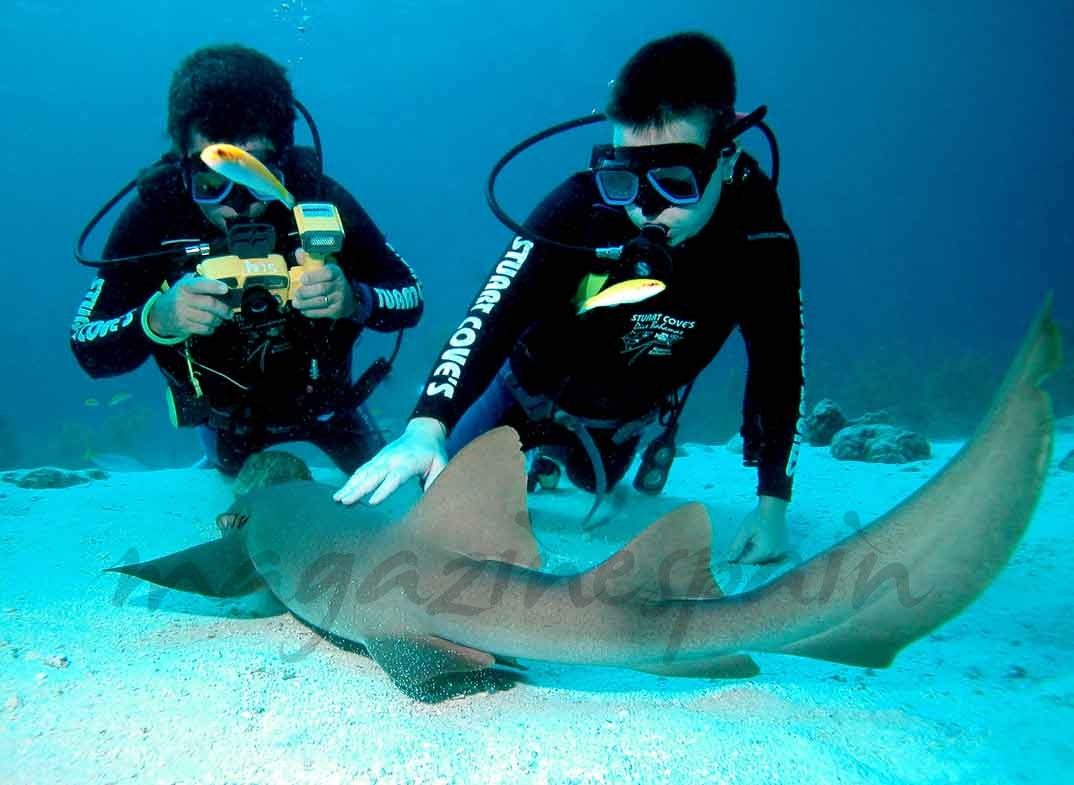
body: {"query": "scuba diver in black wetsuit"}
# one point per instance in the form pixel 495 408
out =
pixel 580 351
pixel 235 295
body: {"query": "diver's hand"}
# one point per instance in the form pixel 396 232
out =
pixel 192 306
pixel 418 452
pixel 762 535
pixel 324 292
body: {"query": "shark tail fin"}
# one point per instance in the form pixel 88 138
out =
pixel 1042 353
pixel 961 548
pixel 220 568
pixel 1020 394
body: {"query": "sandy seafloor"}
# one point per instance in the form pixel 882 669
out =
pixel 198 690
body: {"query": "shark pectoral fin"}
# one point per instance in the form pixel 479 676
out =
pixel 477 505
pixel 220 568
pixel 671 559
pixel 416 662
pixel 729 666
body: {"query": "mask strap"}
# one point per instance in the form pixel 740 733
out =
pixel 731 161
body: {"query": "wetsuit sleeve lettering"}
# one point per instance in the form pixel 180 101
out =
pixel 106 335
pixel 480 344
pixel 388 293
pixel 520 287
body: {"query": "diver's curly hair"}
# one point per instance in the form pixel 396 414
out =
pixel 672 77
pixel 230 92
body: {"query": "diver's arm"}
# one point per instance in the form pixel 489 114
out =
pixel 771 324
pixel 468 362
pixel 107 336
pixel 526 283
pixel 387 293
pixel 481 343
pixel 522 286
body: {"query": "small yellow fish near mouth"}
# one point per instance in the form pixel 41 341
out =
pixel 632 291
pixel 241 167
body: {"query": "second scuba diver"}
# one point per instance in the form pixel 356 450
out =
pixel 252 331
pixel 580 359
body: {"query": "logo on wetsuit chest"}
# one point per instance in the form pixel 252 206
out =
pixel 654 334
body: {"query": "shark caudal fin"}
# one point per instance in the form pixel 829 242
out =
pixel 927 559
pixel 220 568
pixel 670 560
pixel 477 505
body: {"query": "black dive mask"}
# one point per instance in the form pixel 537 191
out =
pixel 677 173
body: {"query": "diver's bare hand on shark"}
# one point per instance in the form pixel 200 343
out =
pixel 325 292
pixel 762 535
pixel 419 452
pixel 192 306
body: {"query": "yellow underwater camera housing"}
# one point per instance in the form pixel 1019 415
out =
pixel 251 265
pixel 268 272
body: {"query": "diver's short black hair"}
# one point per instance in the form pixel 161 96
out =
pixel 230 92
pixel 673 77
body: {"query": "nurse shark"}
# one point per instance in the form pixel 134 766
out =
pixel 453 587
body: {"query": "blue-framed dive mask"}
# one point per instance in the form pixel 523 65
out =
pixel 209 187
pixel 678 172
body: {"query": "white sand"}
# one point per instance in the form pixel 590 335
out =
pixel 198 691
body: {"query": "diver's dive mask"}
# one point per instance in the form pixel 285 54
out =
pixel 626 177
pixel 679 173
pixel 209 187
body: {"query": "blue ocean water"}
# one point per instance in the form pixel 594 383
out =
pixel 926 171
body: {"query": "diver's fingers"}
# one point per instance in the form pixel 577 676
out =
pixel 202 321
pixel 200 285
pixel 319 306
pixel 213 306
pixel 439 463
pixel 197 328
pixel 197 322
pixel 319 275
pixel 402 466
pixel 382 484
pixel 361 482
pixel 312 292
pixel 391 482
pixel 765 555
pixel 742 544
pixel 378 474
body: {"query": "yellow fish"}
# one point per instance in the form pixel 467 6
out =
pixel 92 402
pixel 241 167
pixel 119 398
pixel 632 291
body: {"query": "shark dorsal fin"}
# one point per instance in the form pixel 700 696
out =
pixel 477 506
pixel 669 560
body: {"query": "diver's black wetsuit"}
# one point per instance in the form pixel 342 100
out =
pixel 285 379
pixel 621 362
